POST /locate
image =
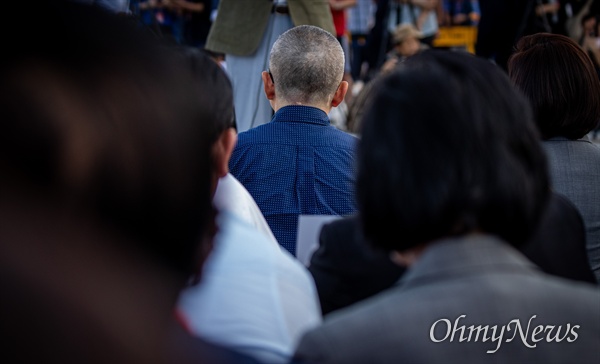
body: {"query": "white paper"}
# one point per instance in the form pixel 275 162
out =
pixel 309 228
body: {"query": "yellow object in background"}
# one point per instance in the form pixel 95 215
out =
pixel 457 36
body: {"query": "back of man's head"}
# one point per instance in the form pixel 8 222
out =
pixel 307 65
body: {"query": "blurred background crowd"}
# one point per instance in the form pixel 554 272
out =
pixel 369 34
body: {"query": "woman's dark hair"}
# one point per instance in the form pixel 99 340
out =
pixel 560 80
pixel 448 148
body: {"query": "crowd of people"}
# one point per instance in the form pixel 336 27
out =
pixel 365 28
pixel 156 160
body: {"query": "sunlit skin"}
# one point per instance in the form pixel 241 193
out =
pixel 408 47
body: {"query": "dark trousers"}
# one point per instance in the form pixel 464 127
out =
pixel 359 54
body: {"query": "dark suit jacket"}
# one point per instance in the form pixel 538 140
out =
pixel 559 245
pixel 478 276
pixel 574 167
pixel 346 269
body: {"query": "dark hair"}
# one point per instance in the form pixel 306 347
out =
pixel 100 119
pixel 212 82
pixel 448 147
pixel 561 82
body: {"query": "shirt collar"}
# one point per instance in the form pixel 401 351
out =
pixel 301 114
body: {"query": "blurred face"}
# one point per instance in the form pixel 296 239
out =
pixel 408 47
pixel 589 26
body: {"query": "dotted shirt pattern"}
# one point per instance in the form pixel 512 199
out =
pixel 298 164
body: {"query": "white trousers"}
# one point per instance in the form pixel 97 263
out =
pixel 251 105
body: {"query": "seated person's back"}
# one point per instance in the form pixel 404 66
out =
pixel 566 108
pixel 298 163
pixel 348 269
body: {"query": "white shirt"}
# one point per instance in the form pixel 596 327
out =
pixel 254 297
pixel 232 196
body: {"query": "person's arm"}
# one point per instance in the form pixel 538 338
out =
pixel 592 46
pixel 546 8
pixel 197 7
pixel 341 4
pixel 150 4
pixel 425 5
pixel 443 15
pixel 389 65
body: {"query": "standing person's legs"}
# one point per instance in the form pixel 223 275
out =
pixel 251 105
pixel 358 46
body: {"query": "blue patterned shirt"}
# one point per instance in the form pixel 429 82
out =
pixel 298 164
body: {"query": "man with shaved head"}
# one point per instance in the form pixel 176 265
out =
pixel 298 163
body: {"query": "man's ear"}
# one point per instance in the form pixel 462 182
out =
pixel 222 150
pixel 268 84
pixel 340 93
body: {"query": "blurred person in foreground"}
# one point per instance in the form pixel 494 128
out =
pixel 559 79
pixel 254 297
pixel 450 175
pixel 299 164
pixel 106 186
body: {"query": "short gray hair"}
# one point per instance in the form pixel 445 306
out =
pixel 307 64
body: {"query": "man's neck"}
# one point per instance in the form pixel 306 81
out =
pixel 279 105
